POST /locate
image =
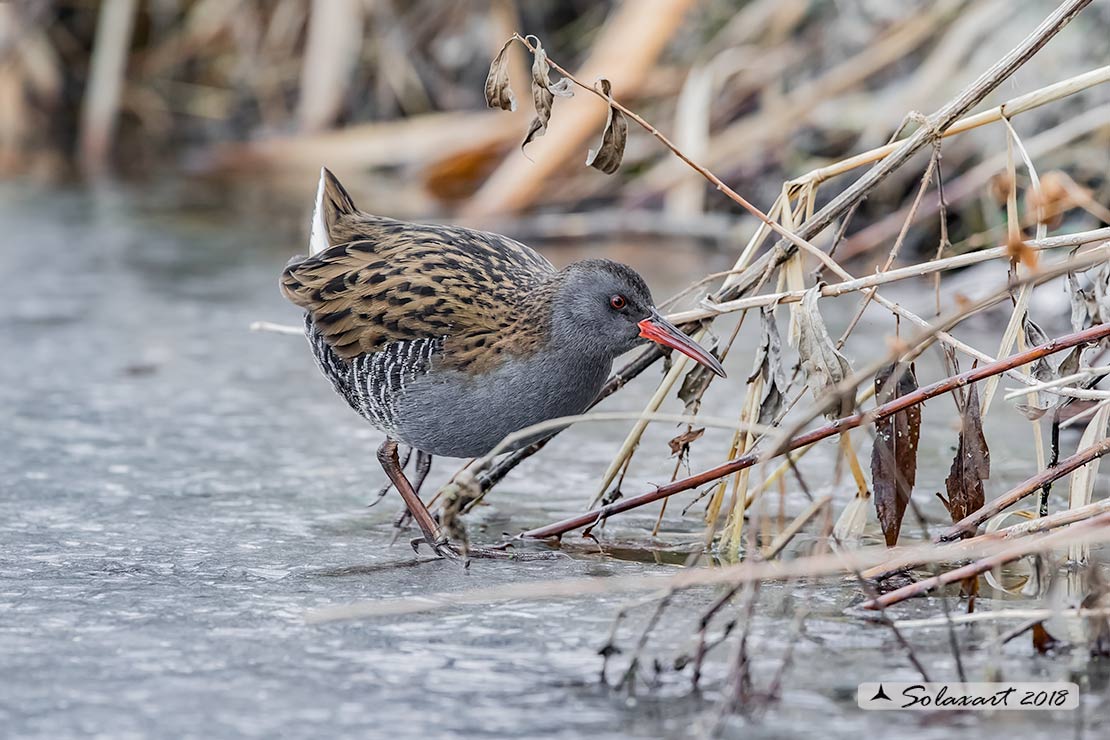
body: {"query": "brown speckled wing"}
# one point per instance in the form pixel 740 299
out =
pixel 391 281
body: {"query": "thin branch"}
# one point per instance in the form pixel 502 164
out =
pixel 710 309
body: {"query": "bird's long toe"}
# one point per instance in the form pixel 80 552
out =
pixel 443 548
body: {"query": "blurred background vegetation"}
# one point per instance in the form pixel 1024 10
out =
pixel 388 93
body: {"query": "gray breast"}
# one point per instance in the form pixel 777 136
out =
pixel 456 414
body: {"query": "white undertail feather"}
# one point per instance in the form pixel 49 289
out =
pixel 318 241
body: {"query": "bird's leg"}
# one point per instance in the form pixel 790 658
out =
pixel 404 463
pixel 400 524
pixel 423 467
pixel 387 456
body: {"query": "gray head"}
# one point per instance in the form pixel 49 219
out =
pixel 604 308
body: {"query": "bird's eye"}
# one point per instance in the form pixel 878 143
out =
pixel 618 302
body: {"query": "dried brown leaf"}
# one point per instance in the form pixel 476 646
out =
pixel 825 368
pixel 971 465
pixel 1052 200
pixel 1071 363
pixel 1019 251
pixel 607 157
pixel 499 94
pixel 768 364
pixel 894 454
pixel 1000 187
pixel 543 93
pixel 1034 334
pixel 697 381
pixel 564 88
pixel 681 443
pixel 694 385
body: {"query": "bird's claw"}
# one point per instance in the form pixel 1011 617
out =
pixel 441 547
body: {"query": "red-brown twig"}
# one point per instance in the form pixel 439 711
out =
pixel 828 430
pixel 1027 546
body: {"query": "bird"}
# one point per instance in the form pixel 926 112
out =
pixel 448 339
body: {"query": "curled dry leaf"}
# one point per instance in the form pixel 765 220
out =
pixel 694 386
pixel 543 93
pixel 681 444
pixel 971 465
pixel 894 454
pixel 1046 369
pixel 1084 307
pixel 768 364
pixel 607 157
pixel 1090 306
pixel 1083 480
pixel 825 368
pixel 498 92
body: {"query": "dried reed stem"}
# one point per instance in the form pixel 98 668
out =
pixel 804 567
pixel 105 87
pixel 890 276
pixel 1021 104
pixel 900 564
pixel 1066 536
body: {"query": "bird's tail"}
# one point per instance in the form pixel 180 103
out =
pixel 333 202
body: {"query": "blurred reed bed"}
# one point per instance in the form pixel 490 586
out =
pixel 390 92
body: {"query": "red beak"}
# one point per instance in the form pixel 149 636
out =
pixel 659 330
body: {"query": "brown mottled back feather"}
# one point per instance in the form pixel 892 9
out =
pixel 388 281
